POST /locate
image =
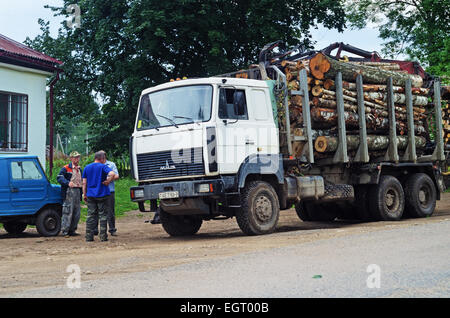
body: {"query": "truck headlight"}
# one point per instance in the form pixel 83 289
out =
pixel 139 193
pixel 205 187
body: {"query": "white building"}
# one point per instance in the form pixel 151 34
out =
pixel 23 79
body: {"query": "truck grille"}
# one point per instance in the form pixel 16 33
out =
pixel 167 164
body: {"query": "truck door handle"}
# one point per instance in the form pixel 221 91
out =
pixel 249 142
pixel 14 190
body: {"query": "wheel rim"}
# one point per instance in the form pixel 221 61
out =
pixel 50 224
pixel 392 201
pixel 263 208
pixel 424 196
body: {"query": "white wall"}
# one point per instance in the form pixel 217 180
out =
pixel 26 81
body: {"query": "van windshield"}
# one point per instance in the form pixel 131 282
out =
pixel 175 106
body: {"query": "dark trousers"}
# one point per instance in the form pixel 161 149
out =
pixel 96 213
pixel 110 204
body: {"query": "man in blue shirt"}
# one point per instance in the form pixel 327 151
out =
pixel 96 179
pixel 111 201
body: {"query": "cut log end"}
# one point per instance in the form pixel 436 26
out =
pixel 320 145
pixel 319 65
pixel 317 90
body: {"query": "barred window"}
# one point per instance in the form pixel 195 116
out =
pixel 13 122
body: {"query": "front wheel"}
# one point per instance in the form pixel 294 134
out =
pixel 260 209
pixel 14 227
pixel 180 225
pixel 48 223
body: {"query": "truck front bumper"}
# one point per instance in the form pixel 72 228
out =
pixel 177 189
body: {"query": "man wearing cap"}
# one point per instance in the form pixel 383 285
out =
pixel 71 191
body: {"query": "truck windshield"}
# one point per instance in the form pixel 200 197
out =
pixel 175 106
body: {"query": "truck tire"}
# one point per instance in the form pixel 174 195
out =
pixel 321 212
pixel 361 203
pixel 260 209
pixel 180 225
pixel 420 196
pixel 48 222
pixel 14 227
pixel 387 199
pixel 302 213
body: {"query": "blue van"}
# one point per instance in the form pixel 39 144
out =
pixel 27 197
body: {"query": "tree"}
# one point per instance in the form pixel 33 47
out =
pixel 418 28
pixel 125 46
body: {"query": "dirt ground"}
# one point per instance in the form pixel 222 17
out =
pixel 29 261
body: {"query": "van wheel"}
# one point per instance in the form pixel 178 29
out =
pixel 420 194
pixel 387 199
pixel 260 209
pixel 48 223
pixel 14 227
pixel 180 225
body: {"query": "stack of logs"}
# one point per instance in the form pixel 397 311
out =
pixel 321 71
pixel 446 114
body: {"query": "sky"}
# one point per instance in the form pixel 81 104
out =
pixel 19 20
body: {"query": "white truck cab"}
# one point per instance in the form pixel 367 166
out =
pixel 202 127
pixel 196 144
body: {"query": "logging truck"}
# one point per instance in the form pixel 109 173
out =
pixel 336 139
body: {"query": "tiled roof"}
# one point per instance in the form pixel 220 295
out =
pixel 15 48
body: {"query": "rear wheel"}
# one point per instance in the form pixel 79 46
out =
pixel 387 199
pixel 302 212
pixel 48 223
pixel 317 212
pixel 260 209
pixel 420 194
pixel 321 212
pixel 180 225
pixel 14 227
pixel 361 203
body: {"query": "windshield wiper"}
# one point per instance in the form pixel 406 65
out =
pixel 171 121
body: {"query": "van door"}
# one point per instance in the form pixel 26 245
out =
pixel 28 185
pixel 5 191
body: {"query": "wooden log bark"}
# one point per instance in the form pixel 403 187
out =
pixel 323 118
pixel 329 84
pixel 325 144
pixel 323 67
pixel 351 96
pixel 383 65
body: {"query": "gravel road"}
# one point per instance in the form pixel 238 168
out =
pixel 301 259
pixel 412 258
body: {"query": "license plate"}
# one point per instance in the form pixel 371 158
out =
pixel 169 195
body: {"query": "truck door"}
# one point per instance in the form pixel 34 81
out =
pixel 28 185
pixel 236 132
